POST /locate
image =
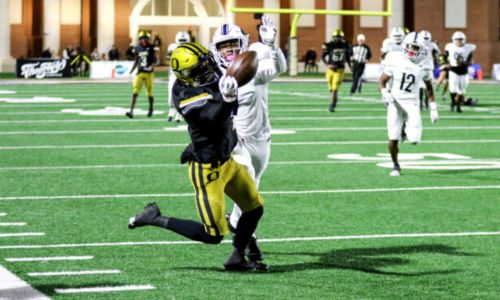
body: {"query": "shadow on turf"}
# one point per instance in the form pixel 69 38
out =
pixel 368 260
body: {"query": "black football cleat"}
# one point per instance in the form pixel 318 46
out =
pixel 170 119
pixel 129 114
pixel 146 217
pixel 253 251
pixel 236 262
pixel 150 113
pixel 259 266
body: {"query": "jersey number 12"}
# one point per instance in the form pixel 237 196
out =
pixel 411 80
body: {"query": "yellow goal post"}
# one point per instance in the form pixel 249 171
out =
pixel 293 47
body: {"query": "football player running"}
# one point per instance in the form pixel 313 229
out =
pixel 336 53
pixel 180 38
pixel 460 55
pixel 402 101
pixel 431 57
pixel 252 118
pixel 207 102
pixel 145 61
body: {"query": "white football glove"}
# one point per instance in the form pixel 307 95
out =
pixel 386 96
pixel 228 88
pixel 267 32
pixel 434 112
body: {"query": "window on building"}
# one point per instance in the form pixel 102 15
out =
pixel 455 13
pixel 371 5
pixel 180 8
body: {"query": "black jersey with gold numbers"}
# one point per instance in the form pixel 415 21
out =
pixel 210 122
pixel 336 53
pixel 146 58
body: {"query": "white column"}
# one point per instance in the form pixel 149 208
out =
pixel 397 18
pixel 6 61
pixel 52 25
pixel 105 25
pixel 274 17
pixel 332 21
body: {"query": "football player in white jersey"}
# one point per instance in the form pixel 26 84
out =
pixel 460 56
pixel 406 70
pixel 252 118
pixel 394 42
pixel 180 38
pixel 431 57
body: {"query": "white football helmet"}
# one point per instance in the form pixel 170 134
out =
pixel 413 46
pixel 458 38
pixel 228 41
pixel 397 35
pixel 426 36
pixel 182 37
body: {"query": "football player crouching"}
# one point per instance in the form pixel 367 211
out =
pixel 207 102
pixel 406 69
pixel 251 121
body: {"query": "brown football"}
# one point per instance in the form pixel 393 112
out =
pixel 244 67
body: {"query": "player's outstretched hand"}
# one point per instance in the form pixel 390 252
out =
pixel 267 32
pixel 228 88
pixel 434 112
pixel 386 97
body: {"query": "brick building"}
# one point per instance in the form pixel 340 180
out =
pixel 27 27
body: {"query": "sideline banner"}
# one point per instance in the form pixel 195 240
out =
pixel 42 68
pixel 110 69
pixel 495 74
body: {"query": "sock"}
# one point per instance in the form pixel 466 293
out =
pixel 191 229
pixel 246 227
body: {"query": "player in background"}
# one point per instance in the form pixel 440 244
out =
pixel 252 119
pixel 431 57
pixel 444 69
pixel 207 102
pixel 336 53
pixel 406 70
pixel 393 43
pixel 145 62
pixel 180 38
pixel 460 55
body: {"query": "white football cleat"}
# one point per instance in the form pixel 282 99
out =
pixel 396 171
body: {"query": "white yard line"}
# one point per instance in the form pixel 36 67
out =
pixel 105 289
pixel 13 287
pixel 329 191
pixel 262 240
pixel 378 142
pixel 20 234
pixel 13 224
pixel 73 273
pixel 2 214
pixel 49 258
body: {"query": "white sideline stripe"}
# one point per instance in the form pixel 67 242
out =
pixel 49 258
pixel 2 214
pixel 262 240
pixel 337 191
pixel 92 167
pixel 106 289
pixel 73 273
pixel 273 144
pixel 13 287
pixel 21 234
pixel 13 224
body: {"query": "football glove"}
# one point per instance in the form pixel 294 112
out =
pixel 434 112
pixel 228 87
pixel 386 96
pixel 267 32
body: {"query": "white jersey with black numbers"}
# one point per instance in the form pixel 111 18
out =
pixel 252 118
pixel 457 56
pixel 406 76
pixel 388 46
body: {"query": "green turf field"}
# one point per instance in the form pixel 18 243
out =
pixel 334 227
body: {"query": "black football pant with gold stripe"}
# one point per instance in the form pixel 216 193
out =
pixel 210 184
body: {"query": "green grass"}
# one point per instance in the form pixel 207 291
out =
pixel 341 198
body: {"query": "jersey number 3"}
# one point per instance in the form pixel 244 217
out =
pixel 409 79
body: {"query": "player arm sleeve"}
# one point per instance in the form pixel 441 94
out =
pixel 324 54
pixel 279 61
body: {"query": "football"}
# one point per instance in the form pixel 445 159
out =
pixel 243 67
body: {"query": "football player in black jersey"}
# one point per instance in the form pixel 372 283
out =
pixel 145 61
pixel 207 101
pixel 336 54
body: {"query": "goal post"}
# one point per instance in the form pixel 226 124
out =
pixel 297 12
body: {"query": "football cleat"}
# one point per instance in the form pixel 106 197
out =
pixel 129 114
pixel 259 266
pixel 396 171
pixel 253 251
pixel 237 262
pixel 146 217
pixel 170 119
pixel 150 113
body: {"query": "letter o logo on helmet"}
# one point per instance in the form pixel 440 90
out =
pixel 175 63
